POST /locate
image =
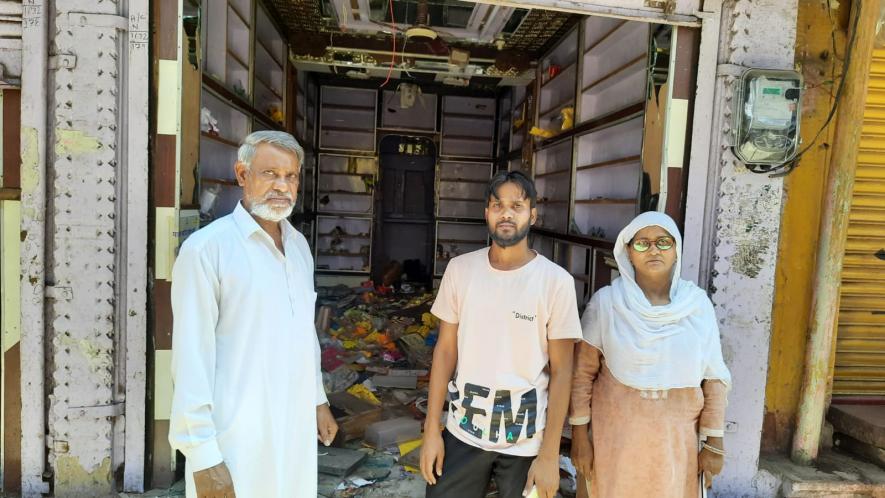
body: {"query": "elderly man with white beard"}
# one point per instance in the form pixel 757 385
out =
pixel 249 402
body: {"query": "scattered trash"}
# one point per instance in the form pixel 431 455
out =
pixel 398 381
pixel 541 132
pixel 391 432
pixel 412 460
pixel 208 123
pixel 408 373
pixel 332 358
pixel 565 463
pixel 362 392
pixel 323 319
pixel 376 348
pixel 568 481
pixel 416 350
pixel 421 405
pixel 358 482
pixel 350 404
pixel 354 426
pixel 339 379
pixel 327 485
pixel 377 466
pixel 405 397
pixel 338 461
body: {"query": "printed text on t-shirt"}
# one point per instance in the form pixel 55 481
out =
pixel 502 412
pixel 520 316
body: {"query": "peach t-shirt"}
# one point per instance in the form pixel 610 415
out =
pixel 505 318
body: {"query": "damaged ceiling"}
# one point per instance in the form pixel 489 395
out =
pixel 451 41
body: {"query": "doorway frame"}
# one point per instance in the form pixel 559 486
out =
pixel 378 221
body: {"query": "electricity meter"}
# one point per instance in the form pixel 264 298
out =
pixel 766 126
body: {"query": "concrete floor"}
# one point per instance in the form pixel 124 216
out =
pixel 176 491
pixel 399 484
pixel 836 475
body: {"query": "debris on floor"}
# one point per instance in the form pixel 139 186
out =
pixel 338 461
pixel 376 350
pixel 393 432
pixel 377 345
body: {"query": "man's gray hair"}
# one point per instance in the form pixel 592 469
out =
pixel 279 139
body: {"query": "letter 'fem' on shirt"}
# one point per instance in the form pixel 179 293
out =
pixel 505 318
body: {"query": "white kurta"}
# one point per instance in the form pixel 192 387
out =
pixel 245 358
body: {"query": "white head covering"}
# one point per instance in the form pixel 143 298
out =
pixel 654 347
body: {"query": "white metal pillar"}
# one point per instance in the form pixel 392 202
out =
pixel 132 306
pixel 84 253
pixel 35 45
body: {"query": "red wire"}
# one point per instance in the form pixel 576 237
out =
pixel 392 54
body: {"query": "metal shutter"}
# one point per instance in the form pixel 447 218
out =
pixel 860 347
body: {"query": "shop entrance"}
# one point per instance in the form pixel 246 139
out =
pixel 401 137
pixel 405 229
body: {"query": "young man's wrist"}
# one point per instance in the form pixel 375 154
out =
pixel 552 455
pixel 549 451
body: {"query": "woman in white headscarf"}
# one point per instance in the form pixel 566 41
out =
pixel 651 371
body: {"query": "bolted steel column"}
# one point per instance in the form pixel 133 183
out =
pixel 35 55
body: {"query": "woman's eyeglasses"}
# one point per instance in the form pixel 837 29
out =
pixel 642 245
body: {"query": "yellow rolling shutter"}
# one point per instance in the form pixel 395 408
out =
pixel 860 348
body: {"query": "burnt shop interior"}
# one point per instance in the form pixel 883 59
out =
pixel 406 108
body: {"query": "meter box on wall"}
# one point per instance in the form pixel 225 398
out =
pixel 767 122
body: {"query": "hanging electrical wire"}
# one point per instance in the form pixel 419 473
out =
pixel 402 58
pixel 393 53
pixel 785 169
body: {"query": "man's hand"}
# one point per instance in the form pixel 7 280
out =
pixel 710 463
pixel 214 482
pixel 327 428
pixel 432 453
pixel 544 475
pixel 582 450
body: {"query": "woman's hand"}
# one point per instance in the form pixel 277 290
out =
pixel 582 450
pixel 709 462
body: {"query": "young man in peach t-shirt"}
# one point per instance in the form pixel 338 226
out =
pixel 503 359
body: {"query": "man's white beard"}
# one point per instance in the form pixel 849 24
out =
pixel 264 211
